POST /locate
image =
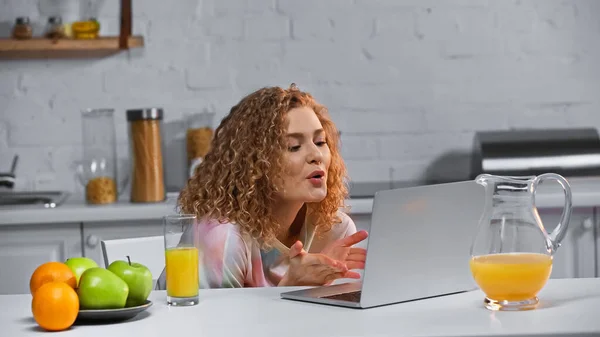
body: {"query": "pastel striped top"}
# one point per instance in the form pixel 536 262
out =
pixel 231 259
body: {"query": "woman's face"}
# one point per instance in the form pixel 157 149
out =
pixel 306 159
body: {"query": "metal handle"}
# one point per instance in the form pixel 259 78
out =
pixel 92 241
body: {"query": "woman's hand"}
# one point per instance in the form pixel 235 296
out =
pixel 307 269
pixel 342 250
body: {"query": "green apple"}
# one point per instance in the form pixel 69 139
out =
pixel 80 264
pixel 100 288
pixel 137 276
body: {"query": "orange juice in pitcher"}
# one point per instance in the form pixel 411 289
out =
pixel 511 276
pixel 511 255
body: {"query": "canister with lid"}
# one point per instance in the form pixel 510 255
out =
pixel 199 135
pixel 22 29
pixel 146 149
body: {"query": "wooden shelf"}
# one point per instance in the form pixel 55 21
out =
pixel 65 48
pixel 72 48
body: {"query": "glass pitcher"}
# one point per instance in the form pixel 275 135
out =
pixel 511 255
pixel 97 171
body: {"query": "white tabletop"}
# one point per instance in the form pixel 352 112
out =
pixel 569 307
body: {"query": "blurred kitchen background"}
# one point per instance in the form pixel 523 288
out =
pixel 423 91
pixel 408 82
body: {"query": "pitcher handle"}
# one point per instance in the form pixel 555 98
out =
pixel 560 231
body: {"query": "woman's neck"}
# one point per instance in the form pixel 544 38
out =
pixel 291 218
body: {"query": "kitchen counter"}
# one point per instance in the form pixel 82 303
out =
pixel 78 211
pixel 586 193
pixel 568 307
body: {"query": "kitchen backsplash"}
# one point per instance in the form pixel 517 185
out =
pixel 407 81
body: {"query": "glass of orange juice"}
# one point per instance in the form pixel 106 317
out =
pixel 181 260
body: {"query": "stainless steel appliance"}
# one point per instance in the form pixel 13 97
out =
pixel 569 152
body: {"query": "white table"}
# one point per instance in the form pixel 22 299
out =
pixel 569 307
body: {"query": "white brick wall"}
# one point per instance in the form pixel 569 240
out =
pixel 408 81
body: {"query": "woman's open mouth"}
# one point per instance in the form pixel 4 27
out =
pixel 316 178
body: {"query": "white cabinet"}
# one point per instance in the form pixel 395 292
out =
pixel 94 232
pixel 24 247
pixel 576 257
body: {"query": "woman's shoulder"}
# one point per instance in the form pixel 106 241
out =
pixel 342 228
pixel 214 232
pixel 346 226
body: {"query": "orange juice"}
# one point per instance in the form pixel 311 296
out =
pixel 182 271
pixel 511 276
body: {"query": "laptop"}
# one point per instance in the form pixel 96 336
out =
pixel 418 247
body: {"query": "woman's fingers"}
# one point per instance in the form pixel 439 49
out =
pixel 327 261
pixel 352 274
pixel 326 274
pixel 356 257
pixel 357 250
pixel 355 265
pixel 333 277
pixel 319 269
pixel 353 239
pixel 296 249
pixel 318 274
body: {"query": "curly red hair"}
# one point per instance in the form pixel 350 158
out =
pixel 238 178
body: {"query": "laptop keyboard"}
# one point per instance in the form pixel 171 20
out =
pixel 353 296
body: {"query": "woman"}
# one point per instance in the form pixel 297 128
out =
pixel 267 197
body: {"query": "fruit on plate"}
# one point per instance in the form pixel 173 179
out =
pixel 137 276
pixel 100 288
pixel 55 306
pixel 80 264
pixel 49 272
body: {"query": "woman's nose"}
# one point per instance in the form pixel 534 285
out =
pixel 315 155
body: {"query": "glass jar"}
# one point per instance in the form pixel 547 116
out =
pixel 55 28
pixel 97 171
pixel 85 30
pixel 22 29
pixel 198 138
pixel 146 153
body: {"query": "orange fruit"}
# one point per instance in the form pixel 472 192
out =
pixel 50 272
pixel 55 306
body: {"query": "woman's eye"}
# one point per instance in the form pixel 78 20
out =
pixel 321 143
pixel 294 148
